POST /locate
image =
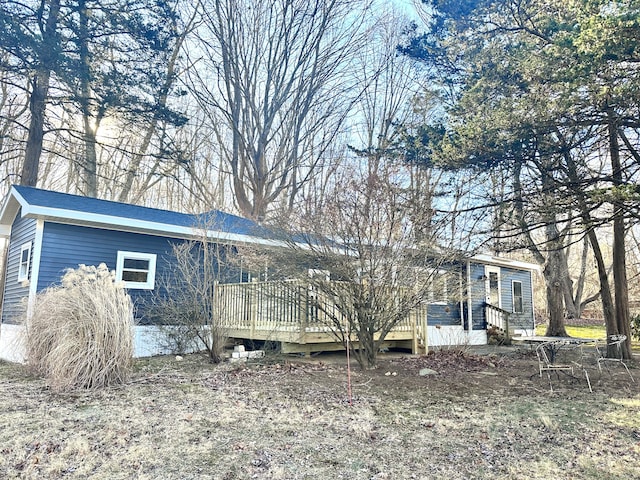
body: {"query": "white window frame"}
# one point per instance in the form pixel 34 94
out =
pixel 151 273
pixel 23 274
pixel 513 296
pixel 439 298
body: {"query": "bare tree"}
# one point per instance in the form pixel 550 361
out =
pixel 30 40
pixel 184 301
pixel 272 78
pixel 365 238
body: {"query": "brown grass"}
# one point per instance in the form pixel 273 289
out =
pixel 80 333
pixel 480 418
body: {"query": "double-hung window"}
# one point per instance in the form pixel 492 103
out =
pixel 517 297
pixel 25 260
pixel 137 270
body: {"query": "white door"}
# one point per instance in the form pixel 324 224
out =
pixel 492 285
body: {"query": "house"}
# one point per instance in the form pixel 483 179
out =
pixel 476 295
pixel 48 232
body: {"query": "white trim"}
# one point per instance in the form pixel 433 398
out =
pixel 505 262
pixel 477 337
pixel 35 265
pixel 151 273
pixel 148 340
pixel 446 335
pixel 488 269
pixel 513 296
pixel 23 276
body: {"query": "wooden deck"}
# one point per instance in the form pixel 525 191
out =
pixel 299 317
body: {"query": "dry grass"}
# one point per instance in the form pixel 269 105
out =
pixel 80 333
pixel 480 418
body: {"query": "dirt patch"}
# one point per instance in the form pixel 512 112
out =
pixel 289 418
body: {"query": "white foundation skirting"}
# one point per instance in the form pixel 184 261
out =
pixel 454 335
pixel 148 341
pixel 12 347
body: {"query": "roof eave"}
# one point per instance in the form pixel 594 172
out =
pixel 505 262
pixel 138 226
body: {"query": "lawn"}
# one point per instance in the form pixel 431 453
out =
pixel 586 331
pixel 480 417
pixel 580 331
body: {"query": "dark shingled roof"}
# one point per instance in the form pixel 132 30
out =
pixel 214 219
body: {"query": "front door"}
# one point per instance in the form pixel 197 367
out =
pixel 492 285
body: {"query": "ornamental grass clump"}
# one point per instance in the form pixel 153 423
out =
pixel 80 334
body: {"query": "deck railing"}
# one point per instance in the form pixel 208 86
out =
pixel 499 319
pixel 291 306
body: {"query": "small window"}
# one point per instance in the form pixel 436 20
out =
pixel 444 287
pixel 136 270
pixel 25 260
pixel 517 297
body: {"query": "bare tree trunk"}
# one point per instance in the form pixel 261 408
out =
pixel 555 273
pixel 89 162
pixel 575 304
pixel 38 98
pixel 622 315
pixel 556 270
pixel 37 107
pixel 282 90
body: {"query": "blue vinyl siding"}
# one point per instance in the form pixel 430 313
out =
pixel 507 276
pixel 67 246
pixel 444 314
pixel 476 291
pixel 477 294
pixel 447 311
pixel 15 294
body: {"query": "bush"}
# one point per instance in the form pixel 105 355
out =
pixel 79 334
pixel 635 326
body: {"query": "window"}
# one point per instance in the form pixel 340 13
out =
pixel 444 287
pixel 517 297
pixel 136 270
pixel 25 259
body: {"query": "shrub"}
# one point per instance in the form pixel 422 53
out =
pixel 635 326
pixel 184 301
pixel 79 334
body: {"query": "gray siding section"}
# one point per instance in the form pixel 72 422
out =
pixel 507 276
pixel 15 294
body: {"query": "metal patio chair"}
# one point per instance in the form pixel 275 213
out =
pixel 547 353
pixel 616 342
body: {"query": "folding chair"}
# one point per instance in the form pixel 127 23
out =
pixel 616 342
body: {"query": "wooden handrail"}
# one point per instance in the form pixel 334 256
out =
pixel 498 318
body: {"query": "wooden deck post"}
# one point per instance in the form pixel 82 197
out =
pixel 303 311
pixel 425 337
pixel 253 307
pixel 414 325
